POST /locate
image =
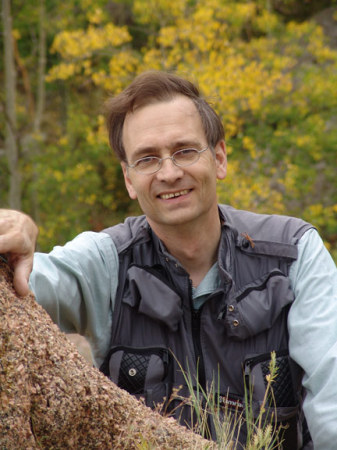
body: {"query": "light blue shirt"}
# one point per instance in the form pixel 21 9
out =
pixel 77 284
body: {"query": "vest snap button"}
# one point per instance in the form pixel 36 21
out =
pixel 231 308
pixel 245 243
pixel 132 372
pixel 236 323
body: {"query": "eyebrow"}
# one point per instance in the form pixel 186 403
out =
pixel 142 152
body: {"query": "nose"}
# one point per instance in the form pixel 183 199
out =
pixel 169 171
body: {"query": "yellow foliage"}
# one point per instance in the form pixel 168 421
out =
pixel 78 47
pixel 82 43
pixel 58 175
pixel 318 47
pixel 243 192
pixel 202 41
pixel 249 144
pixel 158 11
pixel 267 21
pixel 120 68
pixel 62 71
pixel 63 140
pixel 96 16
pixel 322 216
pixel 16 34
pixel 99 135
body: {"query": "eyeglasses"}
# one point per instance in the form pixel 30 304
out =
pixel 181 158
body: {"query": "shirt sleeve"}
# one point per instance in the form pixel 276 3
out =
pixel 76 284
pixel 312 323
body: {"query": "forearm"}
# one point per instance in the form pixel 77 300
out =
pixel 76 285
pixel 313 336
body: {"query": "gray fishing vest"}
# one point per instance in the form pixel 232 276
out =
pixel 159 343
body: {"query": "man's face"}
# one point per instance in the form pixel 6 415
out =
pixel 173 196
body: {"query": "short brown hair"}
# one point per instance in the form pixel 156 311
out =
pixel 159 86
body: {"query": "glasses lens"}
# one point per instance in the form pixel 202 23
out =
pixel 147 165
pixel 186 156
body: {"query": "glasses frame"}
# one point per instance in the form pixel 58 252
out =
pixel 160 160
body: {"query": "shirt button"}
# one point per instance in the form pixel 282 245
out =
pixel 236 323
pixel 132 372
pixel 231 308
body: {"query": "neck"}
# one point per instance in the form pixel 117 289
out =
pixel 194 247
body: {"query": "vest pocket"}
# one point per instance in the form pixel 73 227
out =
pixel 281 399
pixel 256 306
pixel 143 372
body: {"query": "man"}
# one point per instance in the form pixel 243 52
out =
pixel 192 285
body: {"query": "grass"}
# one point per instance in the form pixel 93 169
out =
pixel 263 431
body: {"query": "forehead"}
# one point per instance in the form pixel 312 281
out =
pixel 161 124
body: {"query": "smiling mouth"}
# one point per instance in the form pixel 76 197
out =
pixel 174 194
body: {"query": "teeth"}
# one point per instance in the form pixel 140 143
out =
pixel 175 194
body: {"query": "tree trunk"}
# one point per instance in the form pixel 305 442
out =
pixel 40 94
pixel 40 104
pixel 11 145
pixel 51 398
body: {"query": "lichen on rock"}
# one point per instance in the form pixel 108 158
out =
pixel 50 398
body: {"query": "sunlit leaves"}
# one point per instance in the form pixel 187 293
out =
pixel 82 50
pixel 83 43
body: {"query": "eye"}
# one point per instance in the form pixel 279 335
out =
pixel 186 154
pixel 146 162
pixel 187 151
pixel 147 159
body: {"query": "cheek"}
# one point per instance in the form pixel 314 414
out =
pixel 209 183
pixel 137 189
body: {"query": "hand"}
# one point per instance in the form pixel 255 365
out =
pixel 18 234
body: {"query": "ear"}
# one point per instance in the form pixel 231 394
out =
pixel 221 160
pixel 128 183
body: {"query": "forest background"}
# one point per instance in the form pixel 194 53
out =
pixel 269 68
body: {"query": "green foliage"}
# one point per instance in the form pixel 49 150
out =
pixel 267 67
pixel 77 181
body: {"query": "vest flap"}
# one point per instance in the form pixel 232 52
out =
pixel 153 297
pixel 267 248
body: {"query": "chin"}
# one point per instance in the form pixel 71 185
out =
pixel 181 219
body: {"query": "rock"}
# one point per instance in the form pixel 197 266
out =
pixel 50 397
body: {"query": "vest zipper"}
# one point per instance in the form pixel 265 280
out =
pixel 195 326
pixel 199 359
pixel 200 365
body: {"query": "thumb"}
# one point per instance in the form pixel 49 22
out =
pixel 22 270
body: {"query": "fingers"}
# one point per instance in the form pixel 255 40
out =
pixel 18 234
pixel 22 267
pixel 21 276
